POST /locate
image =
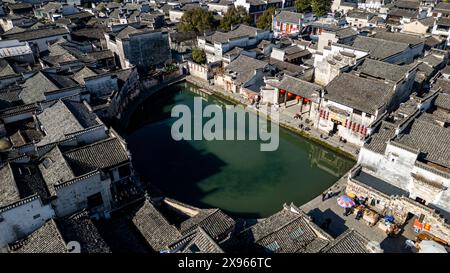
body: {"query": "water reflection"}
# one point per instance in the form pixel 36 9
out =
pixel 232 175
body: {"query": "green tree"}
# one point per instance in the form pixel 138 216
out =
pixel 198 56
pixel 235 16
pixel 196 19
pixel 320 7
pixel 265 20
pixel 302 5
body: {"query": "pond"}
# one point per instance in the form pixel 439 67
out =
pixel 232 175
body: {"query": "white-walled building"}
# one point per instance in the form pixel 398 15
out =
pixel 218 43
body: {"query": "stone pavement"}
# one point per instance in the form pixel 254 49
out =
pixel 320 210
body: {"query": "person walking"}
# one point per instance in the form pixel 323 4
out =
pixel 324 196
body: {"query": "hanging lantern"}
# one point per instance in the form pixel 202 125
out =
pixel 282 91
pixel 290 94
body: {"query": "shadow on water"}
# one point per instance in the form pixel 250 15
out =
pixel 234 176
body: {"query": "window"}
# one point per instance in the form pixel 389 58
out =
pixel 357 112
pixel 296 234
pixel 47 162
pixel 194 248
pixel 272 247
pixel 95 200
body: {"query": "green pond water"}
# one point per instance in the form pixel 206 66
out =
pixel 232 175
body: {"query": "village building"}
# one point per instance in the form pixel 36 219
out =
pixel 334 60
pixel 288 23
pixel 38 39
pixel 59 237
pixel 221 6
pixel 292 231
pixel 199 230
pixel 442 28
pixel 142 48
pixel 343 5
pixel 389 50
pixel 302 97
pixel 353 102
pixel 359 18
pixel 244 75
pixel 405 173
pixel 328 36
pixel 420 26
pixel 219 43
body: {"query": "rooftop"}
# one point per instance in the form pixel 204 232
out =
pixel 379 184
pixel 359 93
pixel 383 70
pixel 103 154
pixel 379 49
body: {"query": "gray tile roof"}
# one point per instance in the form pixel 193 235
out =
pixel 378 48
pixel 299 87
pixel 102 155
pixel 350 241
pixel 154 227
pixel 55 169
pixel 245 68
pixel 196 242
pixel 57 121
pixel 83 73
pixel 29 181
pixel 37 34
pixel 443 101
pixel 282 232
pixel 46 239
pixel 238 32
pixel 430 138
pixel 409 39
pixel 378 141
pixel 442 7
pixel 403 13
pixel 35 87
pixel 80 228
pixel 343 33
pixel 379 184
pixel 383 70
pixel 9 193
pixel 214 221
pixel 359 93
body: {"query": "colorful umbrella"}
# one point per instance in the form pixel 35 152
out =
pixel 345 201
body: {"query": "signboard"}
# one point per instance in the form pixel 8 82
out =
pixel 337 117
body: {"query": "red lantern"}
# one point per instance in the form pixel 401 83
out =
pixel 298 98
pixel 306 100
pixel 282 91
pixel 290 94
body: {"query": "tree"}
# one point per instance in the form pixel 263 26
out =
pixel 235 16
pixel 302 5
pixel 196 19
pixel 265 20
pixel 320 7
pixel 198 56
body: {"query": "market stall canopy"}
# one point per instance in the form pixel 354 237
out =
pixel 429 246
pixel 345 201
